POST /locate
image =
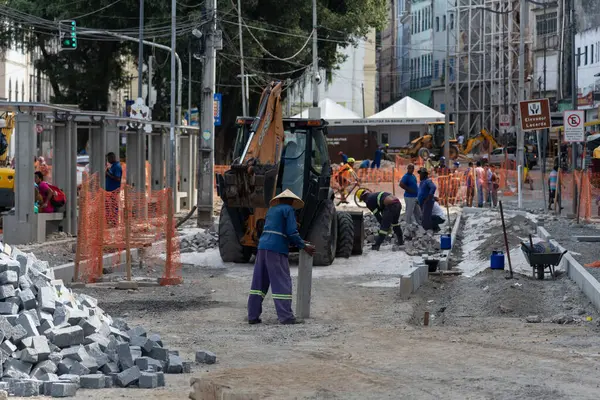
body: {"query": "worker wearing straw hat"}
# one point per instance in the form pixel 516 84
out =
pixel 271 267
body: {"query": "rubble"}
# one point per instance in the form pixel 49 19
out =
pixel 422 241
pixel 200 242
pixel 53 341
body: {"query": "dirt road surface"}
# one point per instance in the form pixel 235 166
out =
pixel 363 342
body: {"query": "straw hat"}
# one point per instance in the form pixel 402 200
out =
pixel 287 194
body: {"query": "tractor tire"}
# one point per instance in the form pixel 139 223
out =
pixel 230 248
pixel 453 152
pixel 323 235
pixel 345 241
pixel 359 236
pixel 423 153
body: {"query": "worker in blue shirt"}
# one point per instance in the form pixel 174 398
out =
pixel 411 190
pixel 271 267
pixel 426 198
pixel 377 160
pixel 344 157
pixel 114 172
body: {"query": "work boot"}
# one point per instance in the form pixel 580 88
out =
pixel 254 321
pixel 378 242
pixel 399 235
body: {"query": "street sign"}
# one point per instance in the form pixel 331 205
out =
pixel 504 121
pixel 574 128
pixel 217 102
pixel 535 114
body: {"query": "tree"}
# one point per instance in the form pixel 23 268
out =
pixel 273 29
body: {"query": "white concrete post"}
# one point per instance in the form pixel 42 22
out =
pixel 303 294
pixel 520 185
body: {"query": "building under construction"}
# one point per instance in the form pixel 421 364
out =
pixel 487 64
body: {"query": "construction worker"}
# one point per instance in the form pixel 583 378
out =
pixel 377 158
pixel 470 178
pixel 271 267
pixel 386 208
pixel 344 177
pixel 411 188
pixel 344 157
pixel 426 198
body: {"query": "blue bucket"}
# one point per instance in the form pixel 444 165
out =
pixel 445 242
pixel 497 260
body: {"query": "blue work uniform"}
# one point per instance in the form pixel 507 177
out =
pixel 377 160
pixel 272 267
pixel 344 158
pixel 365 164
pixel 410 181
pixel 115 170
pixel 426 188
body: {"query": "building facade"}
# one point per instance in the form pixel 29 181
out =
pixel 387 57
pixel 21 81
pixel 588 72
pixel 352 84
pixel 444 46
pixel 421 50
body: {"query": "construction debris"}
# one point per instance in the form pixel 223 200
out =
pixel 53 341
pixel 200 242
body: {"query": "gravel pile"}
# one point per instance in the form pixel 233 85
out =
pixel 54 341
pixel 200 242
pixel 423 242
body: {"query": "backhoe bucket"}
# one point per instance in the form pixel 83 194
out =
pixel 249 189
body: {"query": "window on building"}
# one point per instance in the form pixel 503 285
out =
pixel 578 56
pixel 592 54
pixel 422 20
pixel 444 68
pixel 437 24
pixel 451 21
pixel 444 23
pixel 451 69
pixel 436 69
pixel 546 24
pixel 585 56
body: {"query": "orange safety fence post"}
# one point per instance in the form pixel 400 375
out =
pixel 127 222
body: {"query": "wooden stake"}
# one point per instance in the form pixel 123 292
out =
pixel 426 318
pixel 127 233
pixel 394 181
pixel 506 240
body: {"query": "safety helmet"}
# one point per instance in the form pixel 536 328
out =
pixel 387 145
pixel 442 158
pixel 360 192
pixel 456 164
pixel 351 160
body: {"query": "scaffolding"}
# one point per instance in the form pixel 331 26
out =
pixel 487 64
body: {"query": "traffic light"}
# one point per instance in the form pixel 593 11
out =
pixel 68 35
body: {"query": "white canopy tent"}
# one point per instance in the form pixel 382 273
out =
pixel 407 111
pixel 334 113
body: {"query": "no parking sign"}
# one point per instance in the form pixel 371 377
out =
pixel 573 126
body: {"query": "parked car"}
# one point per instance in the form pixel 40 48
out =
pixel 501 154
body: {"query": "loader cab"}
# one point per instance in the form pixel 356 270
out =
pixel 304 158
pixel 437 132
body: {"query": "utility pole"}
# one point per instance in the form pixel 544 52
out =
pixel 315 111
pixel 141 50
pixel 206 150
pixel 447 91
pixel 362 89
pixel 246 92
pixel 574 61
pixel 242 74
pixel 172 181
pixel 520 133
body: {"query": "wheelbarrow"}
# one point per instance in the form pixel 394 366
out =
pixel 540 262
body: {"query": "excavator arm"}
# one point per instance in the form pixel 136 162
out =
pixel 483 135
pixel 251 181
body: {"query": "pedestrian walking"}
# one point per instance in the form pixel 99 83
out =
pixel 386 208
pixel 426 198
pixel 552 188
pixel 411 190
pixel 479 182
pixel 470 183
pixel 271 267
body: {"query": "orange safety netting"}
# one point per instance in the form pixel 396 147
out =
pixel 121 221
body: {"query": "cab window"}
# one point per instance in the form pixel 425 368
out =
pixel 319 151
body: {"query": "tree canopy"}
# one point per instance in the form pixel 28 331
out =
pixel 272 30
